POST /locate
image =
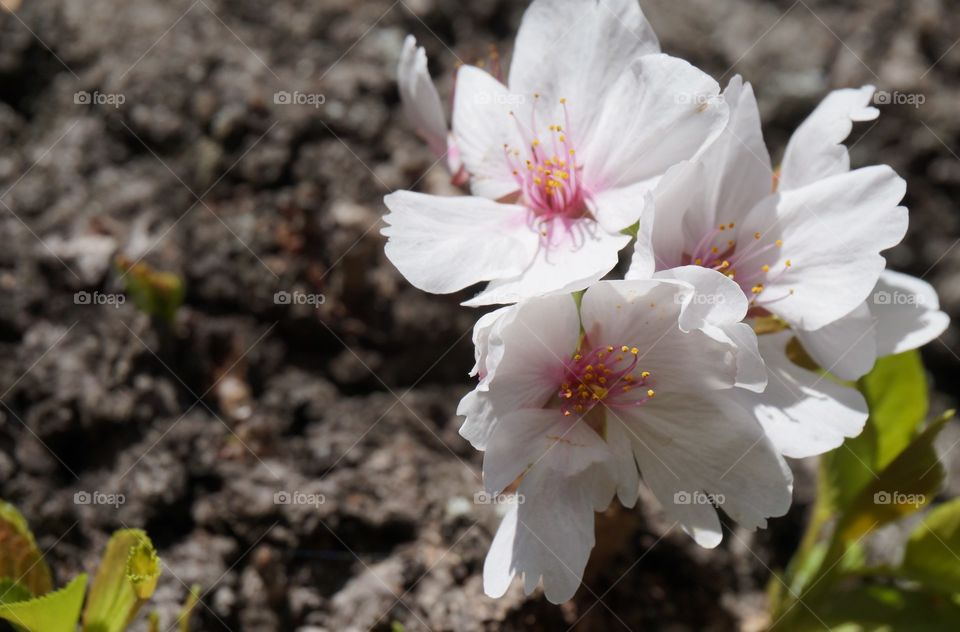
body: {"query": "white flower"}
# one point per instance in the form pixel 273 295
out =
pixel 560 161
pixel 807 252
pixel 422 107
pixel 571 404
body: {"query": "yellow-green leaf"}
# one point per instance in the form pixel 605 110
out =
pixel 932 555
pixel 896 394
pixel 909 482
pixel 126 578
pixel 56 611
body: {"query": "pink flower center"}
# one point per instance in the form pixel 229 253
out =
pixel 548 177
pixel 746 264
pixel 604 374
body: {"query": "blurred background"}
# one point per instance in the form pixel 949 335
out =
pixel 287 435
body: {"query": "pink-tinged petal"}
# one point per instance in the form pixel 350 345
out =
pixel 816 150
pixel 803 414
pixel 572 263
pixel 421 103
pixel 482 125
pixel 539 437
pixel 693 444
pixel 830 235
pixel 567 48
pixel 847 347
pixel 660 112
pixel 736 172
pixel 444 244
pixel 907 312
pixel 644 314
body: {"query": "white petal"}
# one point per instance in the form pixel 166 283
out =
pixel 716 300
pixel 539 437
pixel 480 420
pixel 751 370
pixel 832 232
pixel 421 103
pixel 736 173
pixel 616 209
pixel 622 464
pixel 907 312
pixel 542 335
pixel 643 262
pixel 482 125
pixel 644 314
pixel 549 536
pixel 498 567
pixel 444 244
pixel 803 413
pixel 815 150
pixel 482 331
pixel 688 444
pixel 659 113
pixel 847 347
pixel 570 48
pixel 567 266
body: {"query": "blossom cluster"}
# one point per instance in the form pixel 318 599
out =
pixel 753 297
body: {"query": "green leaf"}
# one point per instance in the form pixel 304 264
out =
pixel 20 559
pixel 183 620
pixel 12 592
pixel 896 393
pixel 57 611
pixel 886 608
pixel 909 482
pixel 126 578
pixel 932 555
pixel 155 292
